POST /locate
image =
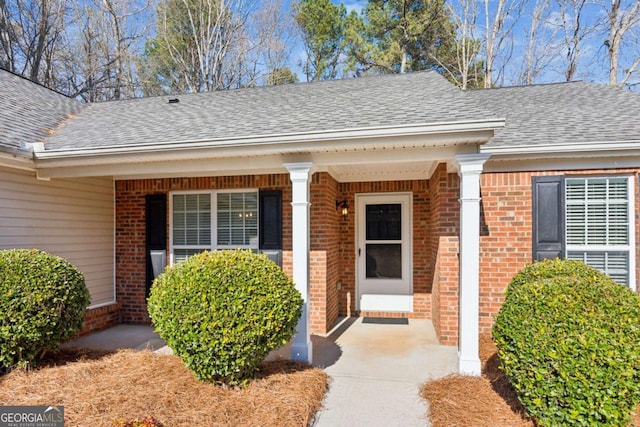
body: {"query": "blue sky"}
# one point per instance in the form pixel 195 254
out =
pixel 593 61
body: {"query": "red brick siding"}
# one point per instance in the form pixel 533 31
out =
pixel 101 318
pixel 445 301
pixel 325 252
pixel 130 229
pixel 505 237
pixel 506 232
pixel 444 190
pixel 505 242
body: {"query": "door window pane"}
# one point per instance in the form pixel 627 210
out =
pixel 384 222
pixel 384 261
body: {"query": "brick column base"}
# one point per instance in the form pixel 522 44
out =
pixel 444 303
pixel 101 318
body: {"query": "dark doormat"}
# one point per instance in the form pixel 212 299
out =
pixel 386 320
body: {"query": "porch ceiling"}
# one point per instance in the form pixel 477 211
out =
pixel 383 171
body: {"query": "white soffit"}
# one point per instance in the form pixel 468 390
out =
pixel 383 171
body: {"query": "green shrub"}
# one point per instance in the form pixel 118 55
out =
pixel 551 268
pixel 222 312
pixel 43 300
pixel 569 347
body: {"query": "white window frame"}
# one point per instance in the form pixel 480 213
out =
pixel 629 247
pixel 214 221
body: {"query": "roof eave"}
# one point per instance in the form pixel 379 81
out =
pixel 267 155
pixel 17 159
pixel 310 140
pixel 589 148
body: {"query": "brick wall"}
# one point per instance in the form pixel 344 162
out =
pixel 130 229
pixel 444 223
pixel 505 242
pixel 325 258
pixel 101 318
pixel 422 264
pixel 445 296
pixel 505 237
pixel 506 232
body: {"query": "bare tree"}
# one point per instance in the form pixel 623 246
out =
pixel 31 32
pixel 7 38
pixel 499 23
pixel 98 63
pixel 274 37
pixel 541 45
pixel 575 30
pixel 193 45
pixel 465 73
pixel 260 46
pixel 116 16
pixel 621 21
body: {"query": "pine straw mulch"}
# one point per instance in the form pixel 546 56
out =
pixel 99 389
pixel 486 401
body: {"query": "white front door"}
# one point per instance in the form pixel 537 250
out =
pixel 384 252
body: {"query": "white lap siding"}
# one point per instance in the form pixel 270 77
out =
pixel 71 218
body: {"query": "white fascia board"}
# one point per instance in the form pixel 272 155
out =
pixel 517 151
pixel 496 165
pixel 245 165
pixel 311 140
pixel 592 155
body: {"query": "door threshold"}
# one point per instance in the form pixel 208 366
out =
pixel 386 320
pixel 386 303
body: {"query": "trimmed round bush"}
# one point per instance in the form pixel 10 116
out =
pixel 552 268
pixel 222 312
pixel 569 347
pixel 43 300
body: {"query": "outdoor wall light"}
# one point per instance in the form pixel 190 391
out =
pixel 344 205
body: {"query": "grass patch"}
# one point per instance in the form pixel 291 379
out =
pixel 485 401
pixel 99 389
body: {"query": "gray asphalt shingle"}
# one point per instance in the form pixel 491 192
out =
pixel 411 99
pixel 552 114
pixel 539 115
pixel 30 112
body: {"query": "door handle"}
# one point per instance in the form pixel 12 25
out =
pixel 359 250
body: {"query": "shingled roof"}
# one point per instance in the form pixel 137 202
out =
pixel 536 116
pixel 561 113
pixel 29 112
pixel 385 101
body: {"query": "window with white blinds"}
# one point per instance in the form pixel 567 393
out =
pixel 213 220
pixel 237 220
pixel 598 224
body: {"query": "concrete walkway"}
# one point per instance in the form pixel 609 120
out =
pixel 376 369
pixel 376 380
pixel 137 337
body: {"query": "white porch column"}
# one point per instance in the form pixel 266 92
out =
pixel 469 169
pixel 300 173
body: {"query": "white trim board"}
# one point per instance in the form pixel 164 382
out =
pixel 386 303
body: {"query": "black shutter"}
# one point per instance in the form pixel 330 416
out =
pixel 156 230
pixel 271 224
pixel 548 217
